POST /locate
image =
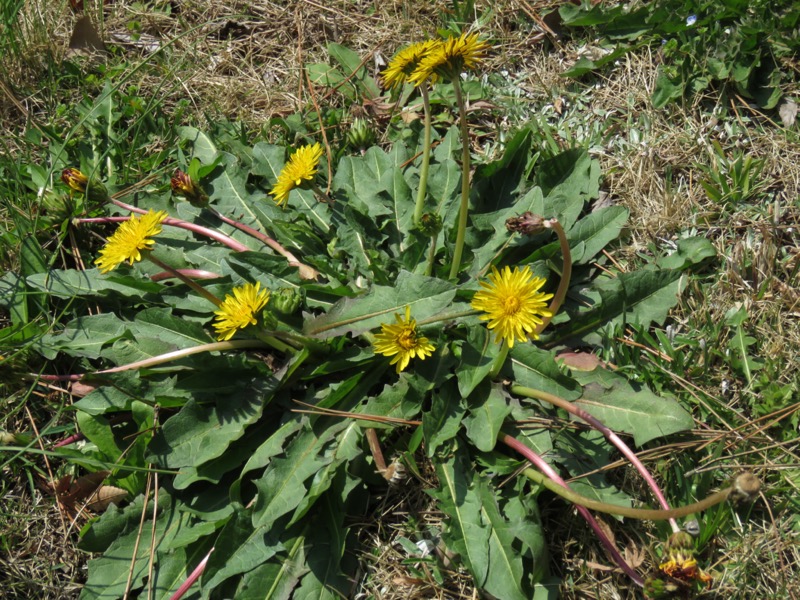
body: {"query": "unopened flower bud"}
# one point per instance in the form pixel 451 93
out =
pixel 79 182
pixel 361 134
pixel 183 185
pixel 430 224
pixel 526 224
pixel 286 300
pixel 58 206
pixel 75 179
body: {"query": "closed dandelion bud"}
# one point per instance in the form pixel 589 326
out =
pixel 286 301
pixel 58 206
pixel 430 224
pixel 361 135
pixel 79 182
pixel 185 186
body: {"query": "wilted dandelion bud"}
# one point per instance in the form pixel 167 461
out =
pixel 430 224
pixel 361 135
pixel 78 182
pixel 184 186
pixel 526 224
pixel 286 301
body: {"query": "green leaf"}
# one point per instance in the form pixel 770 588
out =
pixel 200 433
pixel 690 251
pixel 427 297
pixel 240 548
pixel 478 354
pixel 70 282
pixel 666 90
pixel 504 576
pixel 638 297
pixel 85 336
pixel 203 148
pixel 109 574
pixel 354 65
pixel 443 421
pixel 633 409
pixel 277 578
pixel 486 416
pixel 593 232
pixel 536 368
pixel 466 533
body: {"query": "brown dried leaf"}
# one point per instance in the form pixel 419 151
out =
pixel 580 361
pixel 105 496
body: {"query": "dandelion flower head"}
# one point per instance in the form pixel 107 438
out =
pixel 405 63
pixel 131 238
pixel 240 310
pixel 402 341
pixel 513 304
pixel 449 58
pixel 302 166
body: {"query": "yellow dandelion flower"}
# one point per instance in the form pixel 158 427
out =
pixel 402 341
pixel 405 62
pixel 513 304
pixel 302 166
pixel 240 310
pixel 449 58
pixel 131 238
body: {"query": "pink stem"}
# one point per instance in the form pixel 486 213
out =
pixel 545 468
pixel 199 229
pixel 193 273
pixel 610 435
pixel 195 575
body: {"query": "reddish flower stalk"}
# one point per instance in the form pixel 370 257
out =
pixel 192 273
pixel 194 576
pixel 610 435
pixel 545 468
pixel 199 229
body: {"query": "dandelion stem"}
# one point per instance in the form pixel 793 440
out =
pixel 610 435
pixel 188 281
pixel 306 272
pixel 465 170
pixel 644 514
pixel 426 156
pixel 199 229
pixel 550 473
pixel 154 361
pixel 566 274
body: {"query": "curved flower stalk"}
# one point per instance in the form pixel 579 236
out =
pixel 402 341
pixel 183 185
pixel 301 168
pixel 610 435
pixel 545 468
pixel 133 241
